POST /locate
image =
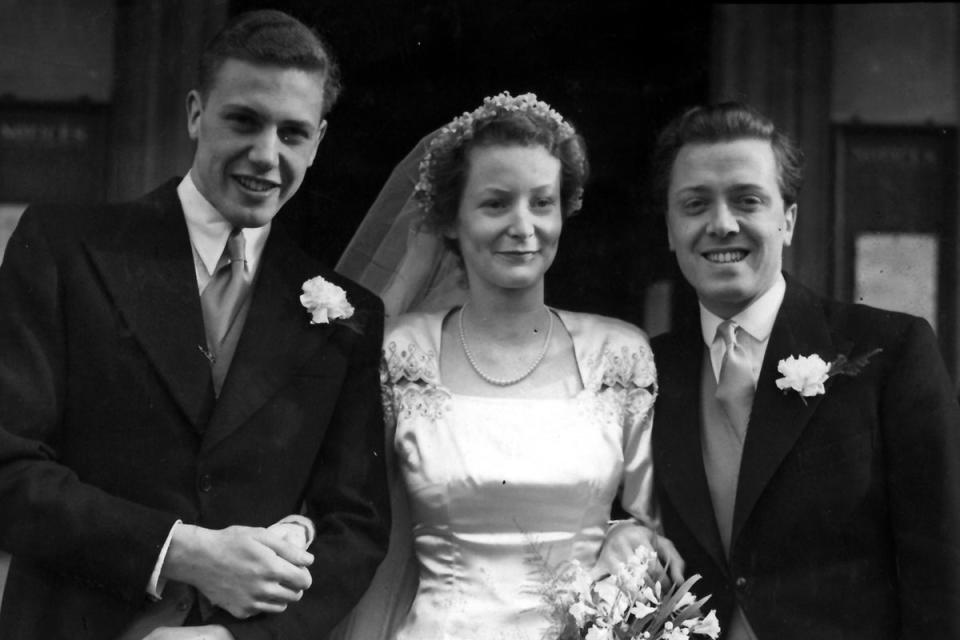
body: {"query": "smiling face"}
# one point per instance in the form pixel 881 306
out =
pixel 509 220
pixel 257 132
pixel 727 222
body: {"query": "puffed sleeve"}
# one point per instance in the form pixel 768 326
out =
pixel 634 376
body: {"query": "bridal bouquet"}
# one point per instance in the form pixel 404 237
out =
pixel 632 604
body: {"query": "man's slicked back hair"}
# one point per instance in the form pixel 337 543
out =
pixel 725 122
pixel 270 37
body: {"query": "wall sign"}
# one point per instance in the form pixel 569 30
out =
pixel 895 222
pixel 52 152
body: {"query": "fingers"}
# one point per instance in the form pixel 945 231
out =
pixel 628 540
pixel 669 554
pixel 267 601
pixel 277 598
pixel 287 569
pixel 624 538
pixel 257 608
pixel 292 533
pixel 292 553
pixel 249 571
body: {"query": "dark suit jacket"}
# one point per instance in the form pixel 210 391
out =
pixel 847 517
pixel 109 431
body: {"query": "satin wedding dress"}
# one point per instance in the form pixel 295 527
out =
pixel 491 492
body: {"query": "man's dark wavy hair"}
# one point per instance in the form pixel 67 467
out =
pixel 272 38
pixel 724 122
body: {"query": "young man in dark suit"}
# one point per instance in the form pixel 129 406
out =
pixel 165 397
pixel 815 502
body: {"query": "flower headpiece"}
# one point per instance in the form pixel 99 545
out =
pixel 464 127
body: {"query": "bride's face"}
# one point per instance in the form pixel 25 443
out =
pixel 509 220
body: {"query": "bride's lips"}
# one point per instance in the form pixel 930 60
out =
pixel 519 255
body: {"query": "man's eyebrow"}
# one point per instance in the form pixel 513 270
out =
pixel 303 124
pixel 286 122
pixel 748 186
pixel 693 188
pixel 238 106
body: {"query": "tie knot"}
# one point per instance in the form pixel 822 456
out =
pixel 727 331
pixel 236 245
pixel 234 257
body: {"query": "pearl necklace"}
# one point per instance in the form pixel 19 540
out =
pixel 501 382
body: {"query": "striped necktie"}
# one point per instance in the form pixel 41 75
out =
pixel 735 386
pixel 221 300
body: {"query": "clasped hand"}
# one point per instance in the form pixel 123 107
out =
pixel 244 570
pixel 624 537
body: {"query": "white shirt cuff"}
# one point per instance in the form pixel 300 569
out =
pixel 156 584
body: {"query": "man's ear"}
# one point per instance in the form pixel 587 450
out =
pixel 789 224
pixel 194 107
pixel 321 131
pixel 670 244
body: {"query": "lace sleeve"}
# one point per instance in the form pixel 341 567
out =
pixel 630 373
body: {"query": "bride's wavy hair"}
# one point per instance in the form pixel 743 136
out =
pixel 449 166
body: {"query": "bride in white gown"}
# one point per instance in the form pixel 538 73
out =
pixel 512 427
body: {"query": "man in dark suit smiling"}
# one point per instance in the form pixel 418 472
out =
pixel 165 397
pixel 807 451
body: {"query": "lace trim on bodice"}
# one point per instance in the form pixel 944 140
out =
pixel 409 381
pixel 409 363
pixel 623 376
pixel 626 376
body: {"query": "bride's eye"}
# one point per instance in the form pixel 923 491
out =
pixel 544 203
pixel 493 203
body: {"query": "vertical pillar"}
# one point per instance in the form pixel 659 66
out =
pixel 157 46
pixel 777 58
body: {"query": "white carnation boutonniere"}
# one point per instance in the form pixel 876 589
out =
pixel 325 301
pixel 807 375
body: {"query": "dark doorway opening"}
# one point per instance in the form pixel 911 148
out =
pixel 617 69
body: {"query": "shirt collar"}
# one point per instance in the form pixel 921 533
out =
pixel 757 319
pixel 209 230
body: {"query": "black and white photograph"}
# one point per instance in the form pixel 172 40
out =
pixel 460 320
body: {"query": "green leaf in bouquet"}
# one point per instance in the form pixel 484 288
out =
pixel 667 604
pixel 693 610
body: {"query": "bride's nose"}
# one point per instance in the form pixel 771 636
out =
pixel 521 222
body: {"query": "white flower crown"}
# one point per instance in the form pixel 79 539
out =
pixel 462 128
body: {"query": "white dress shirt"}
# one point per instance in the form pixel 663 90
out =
pixel 755 322
pixel 209 231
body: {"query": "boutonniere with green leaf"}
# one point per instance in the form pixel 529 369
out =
pixel 807 375
pixel 325 301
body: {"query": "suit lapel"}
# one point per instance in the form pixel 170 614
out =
pixel 678 456
pixel 777 418
pixel 276 339
pixel 146 263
